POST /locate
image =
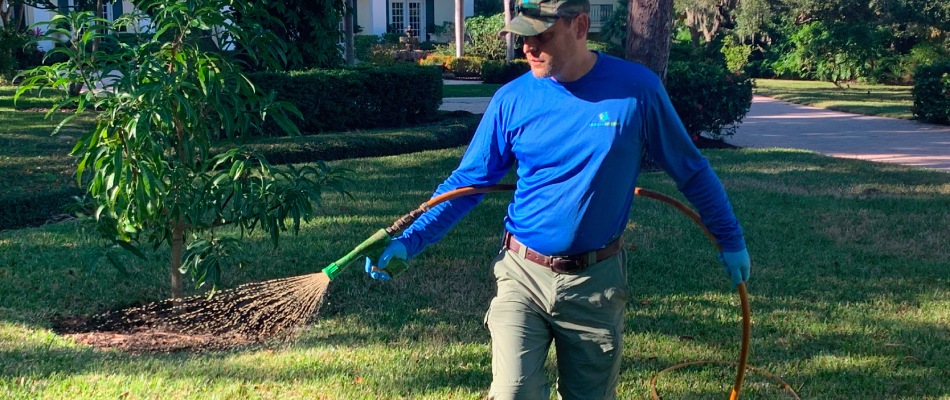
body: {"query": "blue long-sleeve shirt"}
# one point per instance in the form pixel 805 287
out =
pixel 578 147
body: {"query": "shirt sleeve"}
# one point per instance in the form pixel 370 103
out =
pixel 671 148
pixel 485 162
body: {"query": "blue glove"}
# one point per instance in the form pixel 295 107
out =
pixel 737 265
pixel 395 249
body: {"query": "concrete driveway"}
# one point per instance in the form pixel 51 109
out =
pixel 775 123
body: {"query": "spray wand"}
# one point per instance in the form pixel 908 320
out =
pixel 382 237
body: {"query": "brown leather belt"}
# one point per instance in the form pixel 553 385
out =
pixel 563 264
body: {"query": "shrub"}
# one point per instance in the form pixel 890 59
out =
pixel 483 39
pixel 932 93
pixel 708 98
pixel 381 55
pixel 437 60
pixel 736 53
pixel 363 44
pixel 357 98
pixel 466 67
pixel 34 209
pixel 499 72
pixel 16 51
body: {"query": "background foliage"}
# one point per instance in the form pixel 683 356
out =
pixel 932 93
pixel 358 98
pixel 707 98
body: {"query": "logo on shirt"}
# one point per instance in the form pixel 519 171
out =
pixel 603 120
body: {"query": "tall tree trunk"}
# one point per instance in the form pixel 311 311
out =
pixel 174 269
pixel 649 33
pixel 509 37
pixel 459 28
pixel 6 13
pixel 349 54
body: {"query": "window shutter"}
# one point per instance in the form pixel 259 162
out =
pixel 116 9
pixel 430 18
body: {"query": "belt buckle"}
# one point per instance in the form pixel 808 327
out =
pixel 566 265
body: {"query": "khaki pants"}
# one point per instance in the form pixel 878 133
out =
pixel 582 314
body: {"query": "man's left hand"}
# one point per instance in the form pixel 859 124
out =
pixel 737 265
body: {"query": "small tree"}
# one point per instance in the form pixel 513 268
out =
pixel 150 166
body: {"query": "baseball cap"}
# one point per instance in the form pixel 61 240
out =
pixel 536 16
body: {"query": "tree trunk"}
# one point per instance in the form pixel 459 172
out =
pixel 509 37
pixel 6 12
pixel 649 34
pixel 349 55
pixel 459 28
pixel 174 269
pixel 710 31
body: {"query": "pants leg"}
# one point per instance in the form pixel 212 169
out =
pixel 588 330
pixel 520 336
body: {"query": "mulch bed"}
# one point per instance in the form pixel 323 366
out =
pixel 145 338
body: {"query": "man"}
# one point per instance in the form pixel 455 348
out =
pixel 578 126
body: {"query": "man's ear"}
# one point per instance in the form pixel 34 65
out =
pixel 582 24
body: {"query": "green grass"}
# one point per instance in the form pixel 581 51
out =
pixel 850 295
pixel 473 90
pixel 31 160
pixel 877 100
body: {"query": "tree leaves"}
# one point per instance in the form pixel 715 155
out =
pixel 173 94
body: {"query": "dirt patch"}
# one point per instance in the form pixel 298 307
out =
pixel 145 339
pixel 242 316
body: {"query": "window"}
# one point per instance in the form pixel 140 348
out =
pixel 415 17
pixel 600 13
pixel 403 14
pixel 106 11
pixel 397 16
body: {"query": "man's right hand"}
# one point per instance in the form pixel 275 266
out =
pixel 395 249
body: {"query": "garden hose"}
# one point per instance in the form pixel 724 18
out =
pixel 742 365
pixel 382 237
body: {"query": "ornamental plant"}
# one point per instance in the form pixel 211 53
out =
pixel 932 93
pixel 163 105
pixel 708 98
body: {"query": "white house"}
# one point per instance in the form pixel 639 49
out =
pixel 375 17
pixel 380 16
pixel 109 11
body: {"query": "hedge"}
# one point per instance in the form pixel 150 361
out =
pixel 34 209
pixel 932 93
pixel 358 98
pixel 500 72
pixel 455 130
pixel 708 98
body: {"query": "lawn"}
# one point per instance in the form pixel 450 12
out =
pixel 472 90
pixel 850 295
pixel 879 100
pixel 30 159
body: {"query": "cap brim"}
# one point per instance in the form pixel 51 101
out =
pixel 524 26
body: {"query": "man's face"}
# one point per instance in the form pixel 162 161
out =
pixel 548 52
